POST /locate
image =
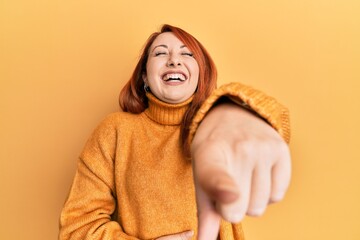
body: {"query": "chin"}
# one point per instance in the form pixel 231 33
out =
pixel 175 100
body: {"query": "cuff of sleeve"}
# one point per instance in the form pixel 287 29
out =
pixel 265 106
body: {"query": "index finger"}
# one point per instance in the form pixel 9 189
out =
pixel 208 218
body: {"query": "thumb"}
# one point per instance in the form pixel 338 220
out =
pixel 219 186
pixel 212 171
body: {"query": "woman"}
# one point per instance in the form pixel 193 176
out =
pixel 136 174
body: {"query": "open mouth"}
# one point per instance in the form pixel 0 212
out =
pixel 179 77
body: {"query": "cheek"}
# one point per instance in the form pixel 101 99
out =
pixel 196 69
pixel 150 72
pixel 149 68
pixel 193 67
pixel 196 75
pixel 153 69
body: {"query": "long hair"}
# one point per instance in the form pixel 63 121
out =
pixel 132 96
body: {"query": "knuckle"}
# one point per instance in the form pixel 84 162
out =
pixel 247 145
pixel 235 217
pixel 260 196
pixel 256 212
pixel 258 206
pixel 246 149
pixel 234 213
pixel 277 197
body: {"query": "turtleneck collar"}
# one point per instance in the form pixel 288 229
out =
pixel 166 113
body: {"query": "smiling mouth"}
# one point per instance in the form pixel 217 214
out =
pixel 174 77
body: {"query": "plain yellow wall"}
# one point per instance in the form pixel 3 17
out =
pixel 62 64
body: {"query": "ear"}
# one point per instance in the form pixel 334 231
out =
pixel 144 77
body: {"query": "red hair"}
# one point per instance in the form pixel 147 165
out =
pixel 132 96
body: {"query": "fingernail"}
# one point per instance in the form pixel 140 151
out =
pixel 277 198
pixel 256 212
pixel 227 193
pixel 235 217
pixel 228 187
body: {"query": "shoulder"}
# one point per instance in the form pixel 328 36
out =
pixel 113 126
pixel 118 117
pixel 118 120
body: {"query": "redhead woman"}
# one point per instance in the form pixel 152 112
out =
pixel 183 160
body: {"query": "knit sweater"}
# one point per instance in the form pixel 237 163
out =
pixel 133 181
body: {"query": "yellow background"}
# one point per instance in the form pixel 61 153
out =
pixel 62 64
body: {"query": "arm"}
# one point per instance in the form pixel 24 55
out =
pixel 90 204
pixel 240 163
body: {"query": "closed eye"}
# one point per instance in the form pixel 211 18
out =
pixel 160 53
pixel 188 54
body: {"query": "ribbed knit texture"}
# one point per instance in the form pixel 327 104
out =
pixel 265 106
pixel 133 181
pixel 165 113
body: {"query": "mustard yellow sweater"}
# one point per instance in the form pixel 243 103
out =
pixel 132 180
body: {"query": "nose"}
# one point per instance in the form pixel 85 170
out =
pixel 173 61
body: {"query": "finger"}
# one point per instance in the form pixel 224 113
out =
pixel 260 190
pixel 213 173
pixel 281 174
pixel 235 211
pixel 220 186
pixel 178 236
pixel 208 218
pixel 227 185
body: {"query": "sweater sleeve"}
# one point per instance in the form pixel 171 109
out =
pixel 263 105
pixel 91 201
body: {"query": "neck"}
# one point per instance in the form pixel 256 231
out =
pixel 166 113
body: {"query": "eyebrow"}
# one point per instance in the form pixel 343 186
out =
pixel 165 46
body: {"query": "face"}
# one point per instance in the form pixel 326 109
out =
pixel 172 73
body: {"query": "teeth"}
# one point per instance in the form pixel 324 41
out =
pixel 174 76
